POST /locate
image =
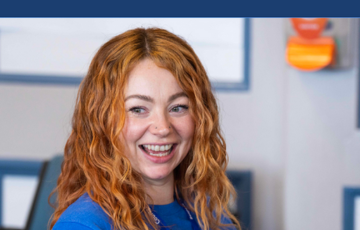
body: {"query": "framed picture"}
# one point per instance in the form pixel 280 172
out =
pixel 18 183
pixel 358 102
pixel 59 50
pixel 351 215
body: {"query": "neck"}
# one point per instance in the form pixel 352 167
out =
pixel 160 191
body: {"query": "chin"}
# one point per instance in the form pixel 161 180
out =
pixel 158 174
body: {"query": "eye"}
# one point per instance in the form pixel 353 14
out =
pixel 179 108
pixel 137 110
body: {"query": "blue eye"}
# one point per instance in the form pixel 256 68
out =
pixel 179 108
pixel 137 110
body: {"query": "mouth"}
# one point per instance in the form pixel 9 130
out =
pixel 158 150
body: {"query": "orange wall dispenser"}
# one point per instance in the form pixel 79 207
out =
pixel 309 51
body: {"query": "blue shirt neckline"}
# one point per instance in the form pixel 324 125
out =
pixel 167 209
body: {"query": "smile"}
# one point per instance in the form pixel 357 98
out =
pixel 158 150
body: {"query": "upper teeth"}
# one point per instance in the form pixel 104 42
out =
pixel 158 147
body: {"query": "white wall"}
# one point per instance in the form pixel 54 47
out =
pixel 295 131
pixel 253 123
pixel 323 147
pixel 34 120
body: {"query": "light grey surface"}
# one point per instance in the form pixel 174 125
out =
pixel 253 123
pixel 34 120
pixel 321 148
pixel 296 131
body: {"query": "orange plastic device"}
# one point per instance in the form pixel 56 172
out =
pixel 309 51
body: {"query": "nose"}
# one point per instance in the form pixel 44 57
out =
pixel 161 125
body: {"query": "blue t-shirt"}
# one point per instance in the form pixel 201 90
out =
pixel 85 214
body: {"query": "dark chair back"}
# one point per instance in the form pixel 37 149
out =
pixel 242 182
pixel 41 211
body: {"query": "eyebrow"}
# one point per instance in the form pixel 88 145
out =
pixel 141 97
pixel 149 99
pixel 177 95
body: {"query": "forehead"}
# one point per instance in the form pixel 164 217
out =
pixel 149 79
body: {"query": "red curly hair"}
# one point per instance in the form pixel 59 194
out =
pixel 94 161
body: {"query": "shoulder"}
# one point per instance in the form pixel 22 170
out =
pixel 83 214
pixel 224 219
pixel 227 220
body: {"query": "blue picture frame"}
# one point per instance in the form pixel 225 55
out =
pixel 350 193
pixel 76 80
pixel 358 91
pixel 245 84
pixel 358 98
pixel 18 168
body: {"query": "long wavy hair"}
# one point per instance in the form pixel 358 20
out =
pixel 94 160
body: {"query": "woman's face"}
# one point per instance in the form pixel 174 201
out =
pixel 159 128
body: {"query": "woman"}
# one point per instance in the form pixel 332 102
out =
pixel 145 151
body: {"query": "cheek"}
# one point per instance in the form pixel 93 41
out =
pixel 185 128
pixel 133 130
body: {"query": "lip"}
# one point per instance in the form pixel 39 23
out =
pixel 159 160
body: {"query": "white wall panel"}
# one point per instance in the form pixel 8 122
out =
pixel 65 46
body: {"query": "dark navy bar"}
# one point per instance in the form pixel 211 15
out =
pixel 184 8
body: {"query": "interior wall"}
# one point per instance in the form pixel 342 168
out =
pixel 253 123
pixel 322 148
pixel 34 119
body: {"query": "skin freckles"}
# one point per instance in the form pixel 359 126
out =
pixel 157 112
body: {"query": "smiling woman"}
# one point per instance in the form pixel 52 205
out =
pixel 158 128
pixel 145 151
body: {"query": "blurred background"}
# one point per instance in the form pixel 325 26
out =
pixel 288 107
